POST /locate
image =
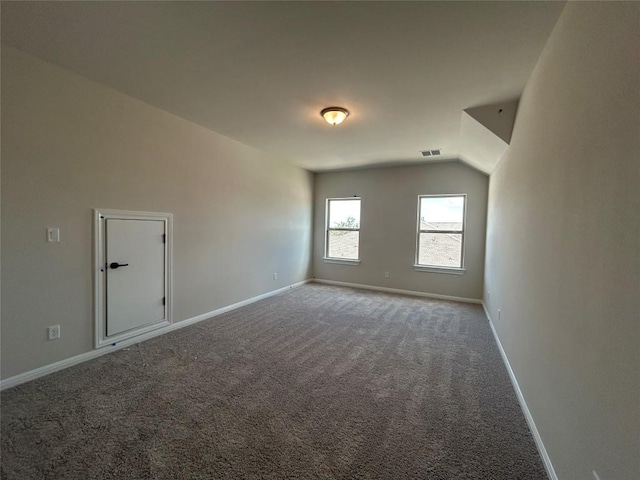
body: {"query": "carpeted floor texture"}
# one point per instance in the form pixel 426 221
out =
pixel 317 382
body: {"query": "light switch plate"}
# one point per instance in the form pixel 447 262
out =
pixel 53 234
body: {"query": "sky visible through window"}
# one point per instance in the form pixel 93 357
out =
pixel 341 210
pixel 439 243
pixel 442 209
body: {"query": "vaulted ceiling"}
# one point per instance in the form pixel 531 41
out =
pixel 260 72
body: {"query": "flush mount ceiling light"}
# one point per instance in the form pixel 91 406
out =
pixel 334 115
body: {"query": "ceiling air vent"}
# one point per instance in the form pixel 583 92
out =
pixel 431 153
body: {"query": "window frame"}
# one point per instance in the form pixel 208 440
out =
pixel 328 229
pixel 442 268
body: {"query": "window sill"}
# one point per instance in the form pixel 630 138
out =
pixel 449 270
pixel 341 261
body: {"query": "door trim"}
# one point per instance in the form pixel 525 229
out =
pixel 100 327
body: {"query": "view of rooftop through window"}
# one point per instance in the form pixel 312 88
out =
pixel 440 231
pixel 343 228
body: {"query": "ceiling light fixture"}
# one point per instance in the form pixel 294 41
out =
pixel 334 115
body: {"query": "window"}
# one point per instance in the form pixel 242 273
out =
pixel 440 239
pixel 342 229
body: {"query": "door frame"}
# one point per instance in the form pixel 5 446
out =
pixel 99 219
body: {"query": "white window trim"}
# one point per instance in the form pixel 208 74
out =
pixel 343 261
pixel 449 270
pixel 440 268
pixel 327 229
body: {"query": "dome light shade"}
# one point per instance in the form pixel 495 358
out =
pixel 334 115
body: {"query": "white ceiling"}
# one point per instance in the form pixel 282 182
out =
pixel 260 72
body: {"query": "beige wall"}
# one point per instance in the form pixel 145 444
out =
pixel 563 243
pixel 388 226
pixel 70 145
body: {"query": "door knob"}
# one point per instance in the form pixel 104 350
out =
pixel 116 265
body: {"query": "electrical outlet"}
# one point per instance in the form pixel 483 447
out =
pixel 386 274
pixel 54 332
pixel 275 276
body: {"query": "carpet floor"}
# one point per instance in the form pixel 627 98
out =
pixel 317 382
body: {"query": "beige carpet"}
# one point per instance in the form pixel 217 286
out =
pixel 318 382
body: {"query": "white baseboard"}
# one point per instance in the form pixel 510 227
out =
pixel 397 290
pixel 83 357
pixel 523 404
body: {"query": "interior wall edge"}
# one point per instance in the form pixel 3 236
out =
pixel 546 460
pixel 412 293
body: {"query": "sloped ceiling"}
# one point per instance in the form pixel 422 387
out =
pixel 260 72
pixel 485 134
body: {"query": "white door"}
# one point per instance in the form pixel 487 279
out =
pixel 135 274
